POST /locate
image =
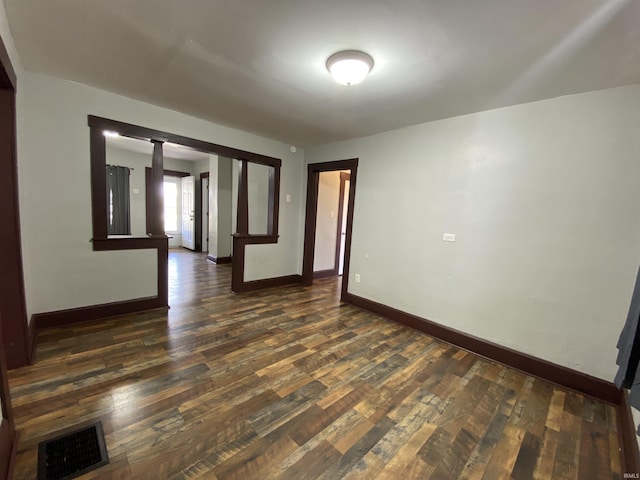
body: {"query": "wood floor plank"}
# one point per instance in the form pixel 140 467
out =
pixel 406 453
pixel 504 454
pixel 290 383
pixel 313 463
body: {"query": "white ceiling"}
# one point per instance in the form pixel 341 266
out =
pixel 169 150
pixel 260 65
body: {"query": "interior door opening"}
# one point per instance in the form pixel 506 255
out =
pixel 345 183
pixel 331 223
pixel 188 213
pixel 331 188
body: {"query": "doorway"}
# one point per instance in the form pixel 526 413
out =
pixel 188 213
pixel 345 183
pixel 346 172
pixel 331 223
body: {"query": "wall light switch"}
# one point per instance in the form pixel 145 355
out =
pixel 357 278
pixel 136 190
pixel 332 214
pixel 449 237
pixel 288 197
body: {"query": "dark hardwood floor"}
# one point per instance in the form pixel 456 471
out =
pixel 289 383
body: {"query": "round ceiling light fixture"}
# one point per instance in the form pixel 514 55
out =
pixel 349 67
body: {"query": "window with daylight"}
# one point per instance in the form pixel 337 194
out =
pixel 170 206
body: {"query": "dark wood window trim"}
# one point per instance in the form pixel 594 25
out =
pixel 313 181
pixel 242 224
pixel 156 238
pixel 148 134
pixel 242 237
pixel 157 191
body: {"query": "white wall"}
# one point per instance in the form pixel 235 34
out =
pixel 224 207
pixel 258 198
pixel 61 269
pixel 219 206
pixel 544 200
pixel 7 40
pixel 258 257
pixel 324 257
pixel 200 167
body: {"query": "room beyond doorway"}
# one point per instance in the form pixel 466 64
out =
pixel 329 215
pixel 331 223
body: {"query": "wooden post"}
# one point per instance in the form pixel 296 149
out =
pixel 157 196
pixel 242 225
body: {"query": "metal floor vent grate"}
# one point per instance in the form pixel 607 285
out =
pixel 71 455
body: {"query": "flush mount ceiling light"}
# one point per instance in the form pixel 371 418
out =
pixel 349 67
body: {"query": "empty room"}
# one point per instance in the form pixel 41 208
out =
pixel 385 239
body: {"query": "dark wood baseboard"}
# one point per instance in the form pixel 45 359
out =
pixel 332 272
pixel 8 449
pixel 218 260
pixel 537 367
pixel 254 285
pixel 91 313
pixel 627 437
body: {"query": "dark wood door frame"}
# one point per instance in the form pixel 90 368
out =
pixel 12 298
pixel 200 213
pixel 313 180
pixel 15 343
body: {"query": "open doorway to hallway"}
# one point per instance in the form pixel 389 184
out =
pixel 329 220
pixel 331 223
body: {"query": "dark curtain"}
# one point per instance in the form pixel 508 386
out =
pixel 628 360
pixel 118 201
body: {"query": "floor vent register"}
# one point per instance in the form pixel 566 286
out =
pixel 73 454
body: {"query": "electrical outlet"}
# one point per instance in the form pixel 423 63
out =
pixel 288 198
pixel 357 278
